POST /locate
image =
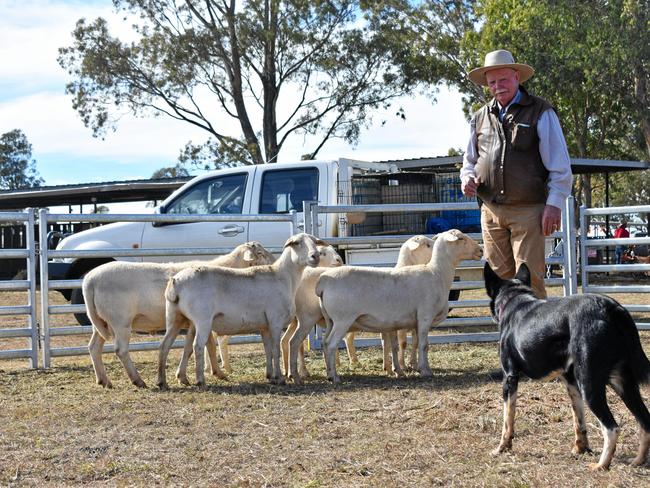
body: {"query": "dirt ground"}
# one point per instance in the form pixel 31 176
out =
pixel 57 428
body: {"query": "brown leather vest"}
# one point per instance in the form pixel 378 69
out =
pixel 509 163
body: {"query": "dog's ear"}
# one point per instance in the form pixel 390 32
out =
pixel 492 281
pixel 523 274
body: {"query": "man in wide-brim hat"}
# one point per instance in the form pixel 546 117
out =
pixel 518 165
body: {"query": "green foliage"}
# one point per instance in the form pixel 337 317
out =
pixel 592 62
pixel 583 54
pixel 171 172
pixel 17 168
pixel 227 67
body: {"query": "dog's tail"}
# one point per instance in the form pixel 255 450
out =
pixel 637 359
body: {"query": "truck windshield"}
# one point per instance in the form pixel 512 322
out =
pixel 222 195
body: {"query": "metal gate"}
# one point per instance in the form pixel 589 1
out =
pixel 565 259
pixel 587 242
pixel 39 334
pixel 29 285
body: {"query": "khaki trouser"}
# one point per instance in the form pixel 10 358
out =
pixel 512 234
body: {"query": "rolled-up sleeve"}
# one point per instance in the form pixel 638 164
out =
pixel 555 157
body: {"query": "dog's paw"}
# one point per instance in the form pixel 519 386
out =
pixel 499 450
pixel 581 449
pixel 598 467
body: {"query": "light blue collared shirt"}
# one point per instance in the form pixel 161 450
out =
pixel 552 149
pixel 503 110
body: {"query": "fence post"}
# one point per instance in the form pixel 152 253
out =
pixel 306 211
pixel 294 222
pixel 314 220
pixel 45 285
pixel 31 277
pixel 584 259
pixel 569 248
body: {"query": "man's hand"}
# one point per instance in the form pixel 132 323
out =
pixel 469 186
pixel 551 219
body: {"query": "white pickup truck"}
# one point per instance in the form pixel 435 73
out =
pixel 273 189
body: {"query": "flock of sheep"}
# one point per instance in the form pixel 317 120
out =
pixel 249 291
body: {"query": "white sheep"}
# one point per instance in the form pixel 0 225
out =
pixel 415 250
pixel 328 258
pixel 381 300
pixel 123 296
pixel 237 301
pixel 306 301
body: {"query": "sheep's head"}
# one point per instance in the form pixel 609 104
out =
pixel 305 249
pixel 417 250
pixel 329 258
pixel 255 254
pixel 466 247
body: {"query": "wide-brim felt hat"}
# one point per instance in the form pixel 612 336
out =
pixel 500 59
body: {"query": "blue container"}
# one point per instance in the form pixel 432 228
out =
pixel 463 220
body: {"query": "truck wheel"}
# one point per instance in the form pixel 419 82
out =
pixel 77 298
pixel 79 270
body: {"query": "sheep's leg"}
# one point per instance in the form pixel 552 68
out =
pixel 338 331
pixel 302 366
pixel 423 348
pixel 266 340
pixel 224 352
pixel 296 352
pixel 181 371
pixel 122 336
pixel 203 331
pixel 275 331
pixel 211 347
pixel 285 344
pixel 351 348
pixel 95 347
pixel 414 349
pixel 173 328
pixel 392 338
pixel 386 347
pixel 402 343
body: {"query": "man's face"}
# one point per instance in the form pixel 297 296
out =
pixel 503 84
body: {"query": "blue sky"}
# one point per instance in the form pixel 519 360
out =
pixel 33 99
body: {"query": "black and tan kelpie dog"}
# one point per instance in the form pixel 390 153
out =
pixel 590 341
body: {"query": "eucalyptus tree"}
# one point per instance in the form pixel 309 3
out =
pixel 17 168
pixel 249 73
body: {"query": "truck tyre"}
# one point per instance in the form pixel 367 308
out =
pixel 76 295
pixel 77 298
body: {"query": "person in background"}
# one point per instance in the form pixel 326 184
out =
pixel 620 232
pixel 517 163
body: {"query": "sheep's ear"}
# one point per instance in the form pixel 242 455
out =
pixel 413 244
pixel 292 241
pixel 318 242
pixel 249 256
pixel 451 237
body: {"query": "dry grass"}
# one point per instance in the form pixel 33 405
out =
pixel 59 428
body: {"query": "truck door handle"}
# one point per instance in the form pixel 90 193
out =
pixel 231 230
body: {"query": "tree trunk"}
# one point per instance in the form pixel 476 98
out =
pixel 269 82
